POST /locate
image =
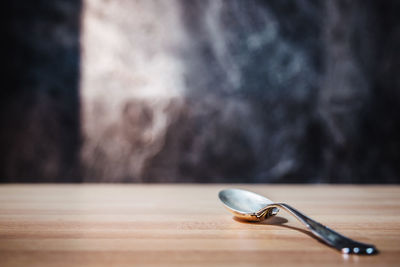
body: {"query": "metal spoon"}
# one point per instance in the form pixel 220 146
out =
pixel 252 207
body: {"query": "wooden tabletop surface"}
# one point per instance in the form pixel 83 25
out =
pixel 186 225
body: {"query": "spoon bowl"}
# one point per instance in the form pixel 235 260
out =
pixel 247 205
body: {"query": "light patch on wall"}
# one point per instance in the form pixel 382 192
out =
pixel 131 84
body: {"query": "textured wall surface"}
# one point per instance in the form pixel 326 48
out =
pixel 39 111
pixel 203 91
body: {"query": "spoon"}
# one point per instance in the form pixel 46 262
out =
pixel 250 206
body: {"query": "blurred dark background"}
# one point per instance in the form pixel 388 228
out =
pixel 201 91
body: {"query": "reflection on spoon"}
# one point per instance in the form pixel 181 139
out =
pixel 252 207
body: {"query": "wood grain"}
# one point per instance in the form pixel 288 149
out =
pixel 186 225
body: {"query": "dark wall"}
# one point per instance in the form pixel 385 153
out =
pixel 316 100
pixel 275 91
pixel 39 111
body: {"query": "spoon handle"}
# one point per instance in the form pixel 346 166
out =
pixel 332 238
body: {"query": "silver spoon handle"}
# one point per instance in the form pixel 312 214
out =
pixel 332 238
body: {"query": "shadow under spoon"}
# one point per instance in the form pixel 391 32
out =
pixel 250 206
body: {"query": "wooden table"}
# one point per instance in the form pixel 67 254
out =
pixel 160 225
